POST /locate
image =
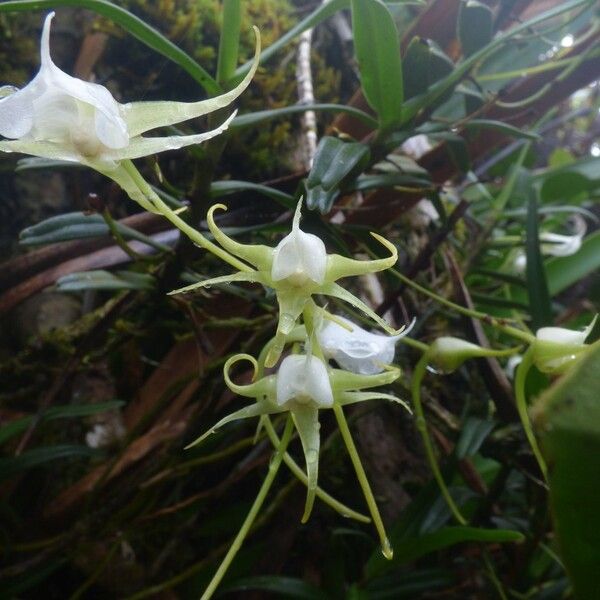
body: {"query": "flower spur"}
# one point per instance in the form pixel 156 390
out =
pixel 297 268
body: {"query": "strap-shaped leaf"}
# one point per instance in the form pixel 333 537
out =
pixel 424 64
pixel 377 48
pixel 474 26
pixel 335 162
pixel 105 280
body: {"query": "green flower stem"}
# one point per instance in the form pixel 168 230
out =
pixel 386 547
pixel 168 212
pixel 258 502
pixel 120 241
pixel 519 334
pixel 417 378
pixel 342 509
pixel 520 379
pixel 308 315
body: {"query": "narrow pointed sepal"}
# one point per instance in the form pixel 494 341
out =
pixel 340 266
pixel 306 419
pixel 234 278
pixel 337 291
pixel 144 146
pixel 346 398
pixel 345 380
pixel 261 389
pixel 256 254
pixel 262 407
pixel 144 116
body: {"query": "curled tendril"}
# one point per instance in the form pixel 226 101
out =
pixel 242 390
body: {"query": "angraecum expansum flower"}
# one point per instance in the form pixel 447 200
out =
pixel 303 385
pixel 297 268
pixel 60 117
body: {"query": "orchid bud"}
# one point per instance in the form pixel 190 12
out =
pixel 555 348
pixel 448 353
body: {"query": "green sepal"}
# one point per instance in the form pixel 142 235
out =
pixel 254 277
pixel 337 291
pixel 144 116
pixel 262 407
pixel 256 254
pixel 342 380
pixel 306 420
pixel 340 266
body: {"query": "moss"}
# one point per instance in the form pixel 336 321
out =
pixel 19 54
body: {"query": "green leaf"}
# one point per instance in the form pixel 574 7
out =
pixel 39 456
pixel 368 182
pixel 229 41
pixel 567 420
pixel 334 163
pixel 410 549
pixel 537 284
pixel 433 95
pixel 423 65
pixel 472 435
pixel 502 127
pixel 70 226
pixel 569 182
pixel 79 225
pixel 57 412
pixel 133 25
pixel 474 26
pixel 105 280
pixel 284 587
pixel 377 48
pixel 218 189
pixel 261 116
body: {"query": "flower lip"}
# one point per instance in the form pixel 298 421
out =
pixel 299 257
pixel 304 379
pixel 356 349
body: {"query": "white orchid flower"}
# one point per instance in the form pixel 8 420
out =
pixel 555 244
pixel 57 116
pixel 296 269
pixel 555 348
pixel 303 385
pixel 356 349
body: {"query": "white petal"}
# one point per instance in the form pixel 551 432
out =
pixel 305 380
pixel 299 256
pixel 107 126
pixel 16 112
pixel 357 350
pixel 560 335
